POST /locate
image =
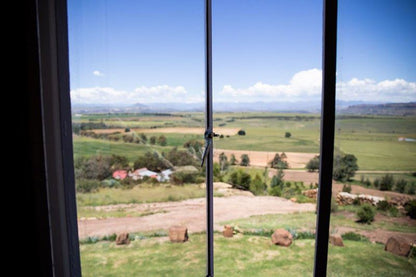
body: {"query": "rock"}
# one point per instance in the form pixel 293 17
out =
pixel 345 198
pixel 178 233
pixel 311 193
pixel 336 240
pixel 122 238
pixel 282 237
pixel 398 245
pixel 293 199
pixel 228 231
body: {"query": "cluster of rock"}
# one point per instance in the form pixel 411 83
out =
pixel 399 246
pixel 345 198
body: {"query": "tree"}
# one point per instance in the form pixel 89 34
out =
pixel 118 162
pixel 223 161
pixel 194 146
pixel 162 140
pixel 277 180
pixel 279 161
pixel 233 160
pixel 153 140
pixel 181 157
pixel 288 135
pixel 94 167
pixel 313 164
pixel 143 137
pixel 245 160
pixel 386 182
pixel 344 167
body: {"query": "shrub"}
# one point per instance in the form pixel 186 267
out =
pixel 277 180
pixel 257 186
pixel 383 205
pixel 182 177
pixel 393 211
pixel 181 157
pixel 240 180
pixel 346 188
pixel 354 237
pixel 94 167
pixel 275 191
pixel 233 160
pixel 376 183
pixel 313 164
pixel 366 214
pixel 245 160
pixel 400 185
pixel 153 140
pixel 279 161
pixel 410 208
pixel 241 132
pixel 288 134
pixel 87 186
pixel 126 130
pixel 162 141
pixel 411 188
pixel 386 182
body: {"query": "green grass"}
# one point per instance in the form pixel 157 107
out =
pixel 307 221
pixel 373 140
pixel 238 256
pixel 140 194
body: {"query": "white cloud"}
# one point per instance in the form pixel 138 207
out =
pixel 303 86
pixel 97 73
pixel 306 86
pixel 155 94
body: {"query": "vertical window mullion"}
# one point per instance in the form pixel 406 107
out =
pixel 208 137
pixel 327 135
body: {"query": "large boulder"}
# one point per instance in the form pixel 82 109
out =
pixel 398 245
pixel 122 238
pixel 282 237
pixel 228 231
pixel 178 233
pixel 336 240
pixel 311 193
pixel 345 198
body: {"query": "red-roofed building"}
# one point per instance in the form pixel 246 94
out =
pixel 120 174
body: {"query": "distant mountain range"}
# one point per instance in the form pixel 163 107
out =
pixel 343 107
pixel 400 109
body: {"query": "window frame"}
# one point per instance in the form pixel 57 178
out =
pixel 52 40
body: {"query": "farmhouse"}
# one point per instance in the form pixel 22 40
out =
pixel 140 173
pixel 119 174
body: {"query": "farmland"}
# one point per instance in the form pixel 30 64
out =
pixel 146 209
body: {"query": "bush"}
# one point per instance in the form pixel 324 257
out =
pixel 366 214
pixel 346 188
pixel 354 237
pixel 313 164
pixel 279 161
pixel 94 167
pixel 288 135
pixel 411 188
pixel 275 191
pixel 87 186
pixel 386 182
pixel 400 185
pixel 240 180
pixel 277 180
pixel 183 177
pixel 393 211
pixel 383 205
pixel 241 132
pixel 257 186
pixel 410 208
pixel 245 160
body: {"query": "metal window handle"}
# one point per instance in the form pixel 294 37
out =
pixel 208 135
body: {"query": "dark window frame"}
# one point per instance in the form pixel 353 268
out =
pixel 55 106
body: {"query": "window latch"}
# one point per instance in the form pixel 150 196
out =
pixel 208 135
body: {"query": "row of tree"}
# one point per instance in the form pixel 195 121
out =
pixel 344 166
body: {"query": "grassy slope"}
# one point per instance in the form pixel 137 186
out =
pixel 239 256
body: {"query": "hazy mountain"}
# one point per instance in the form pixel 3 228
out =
pixel 400 109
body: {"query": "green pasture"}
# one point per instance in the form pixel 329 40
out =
pixel 242 255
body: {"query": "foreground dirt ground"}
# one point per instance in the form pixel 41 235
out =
pixel 190 213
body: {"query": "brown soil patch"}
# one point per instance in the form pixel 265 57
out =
pixel 263 158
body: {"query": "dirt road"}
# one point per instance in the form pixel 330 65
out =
pixel 190 213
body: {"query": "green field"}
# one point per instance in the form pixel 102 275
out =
pixel 373 140
pixel 243 255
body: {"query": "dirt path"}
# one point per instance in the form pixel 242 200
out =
pixel 190 213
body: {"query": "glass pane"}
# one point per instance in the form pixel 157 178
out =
pixel 137 82
pixel 267 93
pixel 375 149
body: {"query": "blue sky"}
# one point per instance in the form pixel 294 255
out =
pixel 129 51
